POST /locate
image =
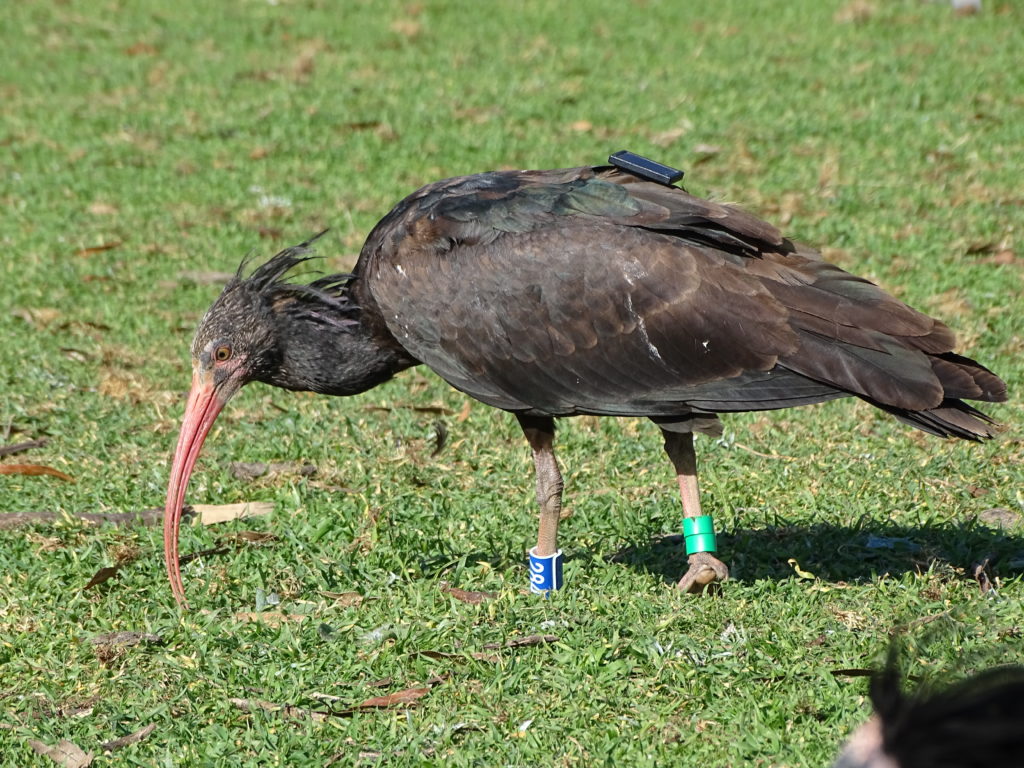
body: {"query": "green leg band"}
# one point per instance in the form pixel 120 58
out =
pixel 699 533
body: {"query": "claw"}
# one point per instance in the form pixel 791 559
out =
pixel 705 570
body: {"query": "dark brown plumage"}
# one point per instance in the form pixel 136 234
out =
pixel 583 291
pixel 976 723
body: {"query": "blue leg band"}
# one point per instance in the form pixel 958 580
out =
pixel 545 572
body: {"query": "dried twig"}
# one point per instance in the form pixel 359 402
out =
pixel 131 738
pixel 28 445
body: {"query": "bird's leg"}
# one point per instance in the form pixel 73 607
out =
pixel 540 433
pixel 545 559
pixel 704 568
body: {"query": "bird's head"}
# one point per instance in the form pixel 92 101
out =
pixel 238 340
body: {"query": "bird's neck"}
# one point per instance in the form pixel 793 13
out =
pixel 345 357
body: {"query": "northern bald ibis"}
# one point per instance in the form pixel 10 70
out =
pixel 593 290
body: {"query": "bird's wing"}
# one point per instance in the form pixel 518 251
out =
pixel 478 209
pixel 592 291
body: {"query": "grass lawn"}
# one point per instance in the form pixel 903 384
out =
pixel 146 147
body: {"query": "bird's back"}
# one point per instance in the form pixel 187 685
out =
pixel 590 290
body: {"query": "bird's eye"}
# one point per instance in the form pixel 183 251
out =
pixel 222 353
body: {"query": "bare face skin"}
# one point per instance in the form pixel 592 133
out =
pixel 864 749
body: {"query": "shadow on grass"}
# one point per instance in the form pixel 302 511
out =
pixel 839 553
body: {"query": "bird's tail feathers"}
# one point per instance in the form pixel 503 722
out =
pixel 953 418
pixel 962 377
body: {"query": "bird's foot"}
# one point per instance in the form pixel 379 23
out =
pixel 705 570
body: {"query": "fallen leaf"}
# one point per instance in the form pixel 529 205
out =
pixel 950 304
pixel 102 209
pixel 1000 517
pixel 385 132
pixel 926 620
pixel 364 540
pixel 827 172
pixel 407 28
pixel 324 696
pixel 799 571
pixel 705 152
pixel 248 470
pixel 669 137
pixel 478 115
pixel 243 470
pixel 46 543
pixel 76 355
pixel 856 11
pixel 64 753
pixel 441 655
pixel 37 315
pixel 131 738
pixel 581 126
pixel 519 642
pixel 295 713
pixel 437 655
pixel 126 638
pixel 145 517
pixel 437 409
pixel 249 537
pixel 211 514
pixel 98 248
pixel 78 709
pixel 465 596
pixel 966 7
pixel 406 698
pixel 140 49
pixel 1005 256
pixel 397 699
pixel 344 599
pixel 125 553
pixel 33 469
pixel 102 575
pixel 850 619
pixel 273 618
pixel 122 384
pixel 361 125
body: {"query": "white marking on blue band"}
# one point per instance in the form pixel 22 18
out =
pixel 545 572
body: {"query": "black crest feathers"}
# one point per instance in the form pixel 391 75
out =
pixel 325 300
pixel 976 721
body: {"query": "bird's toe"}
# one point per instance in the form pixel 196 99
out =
pixel 704 571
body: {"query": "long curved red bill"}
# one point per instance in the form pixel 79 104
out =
pixel 204 403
